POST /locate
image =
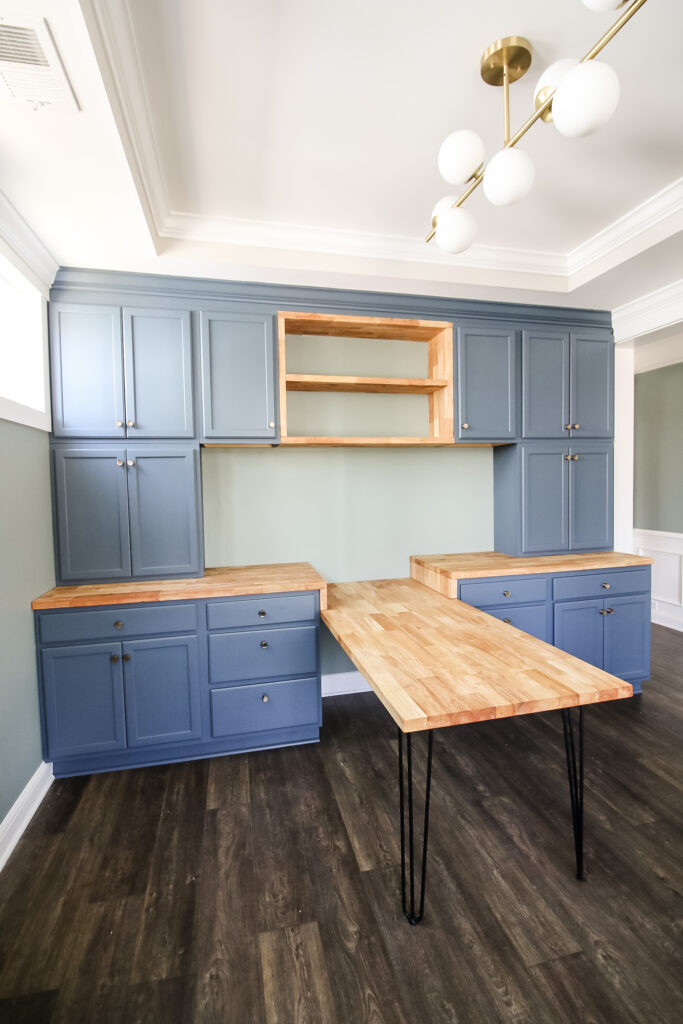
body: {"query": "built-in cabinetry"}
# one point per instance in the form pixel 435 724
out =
pixel 602 617
pixel 124 685
pixel 487 371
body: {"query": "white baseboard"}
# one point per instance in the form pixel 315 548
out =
pixel 334 684
pixel 22 810
pixel 667 574
pixel 665 614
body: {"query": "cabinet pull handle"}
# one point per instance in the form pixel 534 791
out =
pixel 264 644
pixel 606 586
pixel 118 624
pixel 119 462
pixel 119 423
pixel 114 658
pixel 465 426
pixel 507 620
pixel 130 423
pixel 506 593
pixel 576 426
pixel 131 462
pixel 265 698
pixel 126 657
pixel 262 613
pixel 574 458
pixel 610 611
pixel 602 612
pixel 567 458
pixel 567 426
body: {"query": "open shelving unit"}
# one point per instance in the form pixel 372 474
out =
pixel 437 386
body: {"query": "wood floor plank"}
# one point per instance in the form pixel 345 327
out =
pixel 228 784
pixel 295 981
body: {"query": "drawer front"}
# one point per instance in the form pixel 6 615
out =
pixel 501 591
pixel 265 706
pixel 123 621
pixel 261 611
pixel 263 654
pixel 602 584
pixel 532 619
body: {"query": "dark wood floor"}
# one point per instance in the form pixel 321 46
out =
pixel 264 887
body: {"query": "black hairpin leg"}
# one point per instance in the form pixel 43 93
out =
pixel 575 781
pixel 413 916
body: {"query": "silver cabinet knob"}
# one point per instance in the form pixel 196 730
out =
pixel 507 620
pixel 465 426
pixel 271 424
pixel 130 423
pixel 265 698
pixel 606 586
pixel 262 613
pixel 506 593
pixel 567 426
pixel 576 426
pixel 131 462
pixel 119 462
pixel 119 423
pixel 610 611
pixel 264 644
pixel 602 612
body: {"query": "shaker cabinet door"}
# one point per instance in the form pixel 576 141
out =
pixel 238 390
pixel 591 409
pixel 158 365
pixel 627 637
pixel 590 497
pixel 487 383
pixel 161 680
pixel 545 383
pixel 579 630
pixel 87 371
pixel 545 505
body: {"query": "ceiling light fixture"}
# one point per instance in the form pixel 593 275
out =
pixel 578 96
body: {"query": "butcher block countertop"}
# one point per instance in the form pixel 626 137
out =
pixel 225 582
pixel 435 662
pixel 443 572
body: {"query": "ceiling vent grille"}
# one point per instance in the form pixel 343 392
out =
pixel 30 68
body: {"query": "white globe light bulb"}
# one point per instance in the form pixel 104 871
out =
pixel 460 156
pixel 603 5
pixel 585 99
pixel 443 204
pixel 455 230
pixel 508 177
pixel 551 78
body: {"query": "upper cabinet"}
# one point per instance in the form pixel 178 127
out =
pixel 567 384
pixel 121 373
pixel 238 384
pixel 487 382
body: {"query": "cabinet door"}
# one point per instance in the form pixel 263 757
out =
pixel 545 504
pixel 157 348
pixel 627 637
pixel 579 630
pixel 238 394
pixel 487 383
pixel 545 383
pixel 161 680
pixel 590 497
pixel 163 497
pixel 87 371
pixel 91 513
pixel 83 699
pixel 591 384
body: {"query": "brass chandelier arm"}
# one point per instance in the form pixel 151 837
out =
pixel 533 118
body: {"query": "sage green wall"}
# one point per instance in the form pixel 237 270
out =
pixel 26 570
pixel 658 456
pixel 352 513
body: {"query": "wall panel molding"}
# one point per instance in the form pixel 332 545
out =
pixel 667 574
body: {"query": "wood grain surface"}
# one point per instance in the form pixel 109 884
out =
pixel 434 662
pixel 443 572
pixel 228 581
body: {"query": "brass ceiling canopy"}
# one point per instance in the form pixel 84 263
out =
pixel 513 53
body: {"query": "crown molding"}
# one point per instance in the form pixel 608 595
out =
pixel 113 40
pixel 652 312
pixel 645 225
pixel 22 247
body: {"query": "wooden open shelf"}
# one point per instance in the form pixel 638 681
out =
pixel 438 386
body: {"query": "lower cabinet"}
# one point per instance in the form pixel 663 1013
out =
pixel 600 617
pixel 128 685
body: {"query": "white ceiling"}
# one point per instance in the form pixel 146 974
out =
pixel 294 140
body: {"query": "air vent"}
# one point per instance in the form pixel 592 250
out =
pixel 30 68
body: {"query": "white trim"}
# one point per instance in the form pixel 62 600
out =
pixel 334 684
pixel 22 810
pixel 23 414
pixel 666 614
pixel 652 312
pixel 667 574
pixel 24 250
pixel 652 221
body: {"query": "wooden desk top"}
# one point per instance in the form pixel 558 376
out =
pixel 228 581
pixel 443 572
pixel 435 662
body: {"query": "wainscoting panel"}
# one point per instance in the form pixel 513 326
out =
pixel 667 574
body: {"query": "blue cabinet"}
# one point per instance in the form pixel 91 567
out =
pixel 238 381
pixel 567 384
pixel 161 683
pixel 487 359
pixel 122 512
pixel 578 630
pixel 613 634
pixel 551 498
pixel 121 373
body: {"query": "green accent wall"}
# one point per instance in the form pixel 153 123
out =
pixel 26 570
pixel 355 514
pixel 658 458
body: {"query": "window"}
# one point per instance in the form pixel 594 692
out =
pixel 23 350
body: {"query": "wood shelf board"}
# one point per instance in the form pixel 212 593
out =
pixel 377 328
pixel 367 442
pixel 368 385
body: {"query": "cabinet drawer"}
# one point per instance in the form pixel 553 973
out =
pixel 265 706
pixel 263 654
pixel 601 584
pixel 532 619
pixel 504 591
pixel 132 621
pixel 261 611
